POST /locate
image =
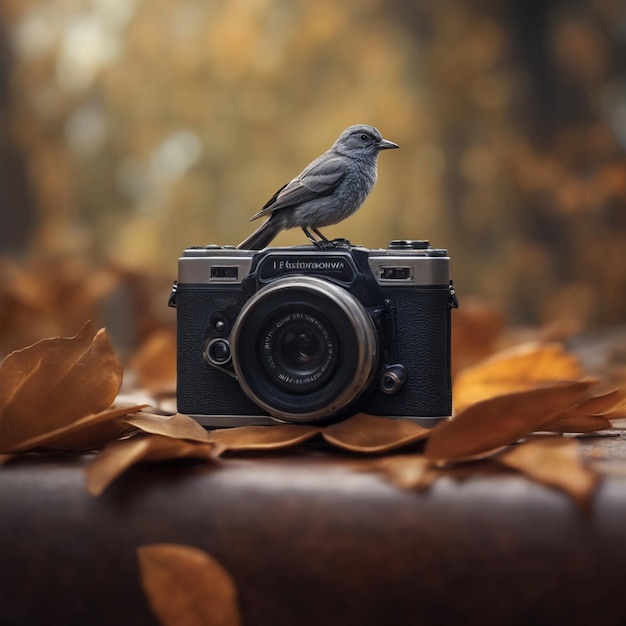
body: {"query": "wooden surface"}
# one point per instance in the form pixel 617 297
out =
pixel 310 539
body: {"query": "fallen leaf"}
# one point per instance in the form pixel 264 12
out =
pixel 187 587
pixel 83 434
pixel 177 426
pixel 263 437
pixel 517 369
pixel 487 425
pixel 586 416
pixel 55 382
pixel 577 424
pixel 119 456
pixel 553 461
pixel 618 411
pixel 155 361
pixel 597 405
pixel 368 433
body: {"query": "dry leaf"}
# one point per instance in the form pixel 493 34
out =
pixel 617 411
pixel 586 416
pixel 577 424
pixel 119 456
pixel 55 382
pixel 177 426
pixel 553 461
pixel 155 361
pixel 368 433
pixel 88 433
pixel 187 587
pixel 79 435
pixel 263 437
pixel 492 423
pixel 520 368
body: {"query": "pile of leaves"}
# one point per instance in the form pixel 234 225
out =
pixel 519 409
pixel 513 409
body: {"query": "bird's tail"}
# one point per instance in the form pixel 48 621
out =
pixel 262 236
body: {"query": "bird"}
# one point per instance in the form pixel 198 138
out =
pixel 327 191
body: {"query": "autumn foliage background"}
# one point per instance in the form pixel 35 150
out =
pixel 130 129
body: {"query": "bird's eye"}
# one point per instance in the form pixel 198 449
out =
pixel 364 137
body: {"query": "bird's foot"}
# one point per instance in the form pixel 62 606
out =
pixel 339 242
pixel 325 244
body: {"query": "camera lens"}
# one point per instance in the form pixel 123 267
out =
pixel 303 348
pixel 299 350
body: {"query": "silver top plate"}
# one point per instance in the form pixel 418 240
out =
pixel 229 266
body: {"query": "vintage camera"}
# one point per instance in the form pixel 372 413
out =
pixel 311 335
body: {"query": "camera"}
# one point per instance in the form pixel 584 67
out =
pixel 309 335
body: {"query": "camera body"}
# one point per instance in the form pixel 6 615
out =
pixel 311 335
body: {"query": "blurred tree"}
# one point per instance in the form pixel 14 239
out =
pixel 15 202
pixel 150 125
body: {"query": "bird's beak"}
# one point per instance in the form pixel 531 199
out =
pixel 383 144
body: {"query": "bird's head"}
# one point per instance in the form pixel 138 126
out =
pixel 362 140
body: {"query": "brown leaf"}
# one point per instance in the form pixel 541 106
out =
pixel 586 416
pixel 555 462
pixel 177 426
pixel 520 368
pixel 119 456
pixel 263 437
pixel 498 421
pixel 618 411
pixel 55 382
pixel 187 587
pixel 83 434
pixel 577 424
pixel 368 433
pixel 155 361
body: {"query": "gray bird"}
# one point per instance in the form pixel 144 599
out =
pixel 327 191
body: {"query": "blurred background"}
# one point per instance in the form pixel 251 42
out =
pixel 130 129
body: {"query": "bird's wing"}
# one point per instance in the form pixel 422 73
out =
pixel 320 178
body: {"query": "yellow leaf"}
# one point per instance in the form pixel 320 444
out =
pixel 55 382
pixel 520 368
pixel 368 433
pixel 498 421
pixel 187 587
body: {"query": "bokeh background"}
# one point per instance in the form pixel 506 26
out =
pixel 130 129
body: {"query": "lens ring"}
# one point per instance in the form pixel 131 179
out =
pixel 355 337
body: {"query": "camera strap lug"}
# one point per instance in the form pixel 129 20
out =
pixel 453 301
pixel 172 299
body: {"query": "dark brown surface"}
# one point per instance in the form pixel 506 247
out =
pixel 309 540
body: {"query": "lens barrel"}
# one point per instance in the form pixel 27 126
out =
pixel 303 348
